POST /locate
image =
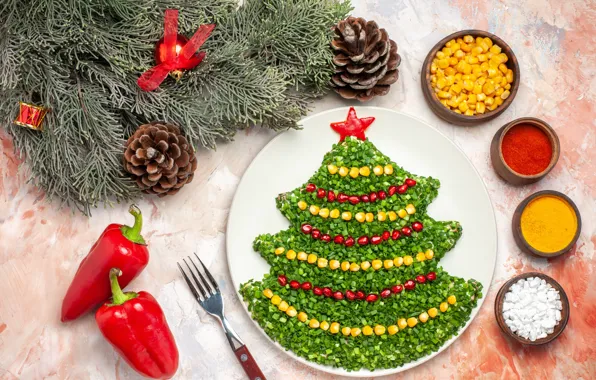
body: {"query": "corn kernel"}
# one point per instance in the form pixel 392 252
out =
pixel 314 324
pixel 365 265
pixel 379 330
pixel 505 94
pixel 465 47
pixel 480 97
pixel 279 250
pixel 367 330
pixel 388 169
pixel 334 264
pixel 451 299
pixel 477 89
pixel 325 325
pixel 360 216
pixel 322 263
pixel 324 213
pixel 291 254
pixel 283 306
pixel 449 43
pixel 291 312
pixel 402 213
pixel 489 100
pixel 332 169
pixel 412 322
pixel 432 312
pixel 354 172
pixel 398 261
pixel 488 41
pixel 334 213
pixel 456 89
pixel 482 58
pixel 378 170
pixel 302 317
pixel 423 317
pixel 276 300
pixel 469 112
pixel 268 293
pixel 498 101
pixel 453 61
pixel 302 256
pixel 369 217
pixel 468 85
pixel 444 94
pixel 440 55
pixel 343 171
pixel 382 216
pixel 392 330
pixel 364 171
pixel 443 63
pixel 457 111
pixel 388 264
pixel 312 258
pixel 495 49
pixel 346 215
pixel 392 215
pixel 508 86
pixel 477 50
pixel 492 107
pixel 420 256
pixel 480 108
pixel 354 267
pixel 454 47
pixel 334 328
pixel 463 106
pixel 410 209
pixel 468 39
pixel 314 209
pixel 509 76
pixel 302 205
pixel 346 331
pixel 429 254
pixel 449 71
pixel 345 266
pixel 355 332
pixel 488 88
pixel 443 307
pixel 408 260
pixel 402 323
pixel 377 264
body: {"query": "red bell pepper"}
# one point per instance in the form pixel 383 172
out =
pixel 118 247
pixel 135 326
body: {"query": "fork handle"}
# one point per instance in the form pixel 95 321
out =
pixel 249 364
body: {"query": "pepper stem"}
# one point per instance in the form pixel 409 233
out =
pixel 118 296
pixel 134 233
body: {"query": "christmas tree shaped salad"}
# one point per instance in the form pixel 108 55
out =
pixel 355 280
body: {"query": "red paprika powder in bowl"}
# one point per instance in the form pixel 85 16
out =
pixel 524 150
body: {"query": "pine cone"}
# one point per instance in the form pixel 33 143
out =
pixel 366 60
pixel 159 158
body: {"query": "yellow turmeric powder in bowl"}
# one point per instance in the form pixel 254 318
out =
pixel 548 223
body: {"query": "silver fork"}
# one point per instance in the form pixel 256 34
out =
pixel 209 297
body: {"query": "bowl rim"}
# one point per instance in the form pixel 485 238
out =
pixel 500 299
pixel 496 39
pixel 517 223
pixel 546 128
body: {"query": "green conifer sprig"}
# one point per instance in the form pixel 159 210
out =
pixel 265 61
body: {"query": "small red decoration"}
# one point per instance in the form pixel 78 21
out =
pixel 354 199
pixel 338 295
pixel 283 280
pixel 402 189
pixel 311 187
pixel 397 289
pixel 174 53
pixel 331 196
pixel 360 295
pixel 431 276
pixel 327 292
pixel 350 241
pixel 326 238
pixel 386 235
pixel 338 239
pixel 306 228
pixel 376 239
pixel 316 234
pixel 409 285
pixel 294 284
pixel 321 193
pixel 421 279
pixel 306 286
pixel 372 297
pixel 385 293
pixel 352 126
pixel 417 226
pixel 341 197
pixel 410 182
pixel 363 240
pixel 350 295
pixel 31 116
pixel 317 291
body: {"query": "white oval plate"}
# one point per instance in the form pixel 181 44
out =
pixel 291 158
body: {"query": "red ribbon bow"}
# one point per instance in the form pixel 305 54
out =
pixel 186 59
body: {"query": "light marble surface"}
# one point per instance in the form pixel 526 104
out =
pixel 41 246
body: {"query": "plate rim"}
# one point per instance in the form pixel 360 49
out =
pixel 339 371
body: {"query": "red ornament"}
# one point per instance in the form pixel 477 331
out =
pixel 306 286
pixel 294 284
pixel 395 235
pixel 316 234
pixel 421 279
pixel 317 291
pixel 409 285
pixel 321 193
pixel 341 197
pixel 397 289
pixel 338 295
pixel 350 241
pixel 365 198
pixel 373 196
pixel 354 199
pixel 386 235
pixel 350 295
pixel 363 240
pixel 311 187
pixel 174 53
pixel 326 238
pixel 338 239
pixel 410 182
pixel 352 126
pixel 31 116
pixel 372 297
pixel 406 231
pixel 392 190
pixel 306 228
pixel 327 292
pixel 417 226
pixel 376 239
pixel 402 189
pixel 283 280
pixel 331 196
pixel 385 293
pixel 431 276
pixel 360 295
pixel 382 195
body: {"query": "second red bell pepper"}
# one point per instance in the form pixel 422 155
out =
pixel 136 327
pixel 118 247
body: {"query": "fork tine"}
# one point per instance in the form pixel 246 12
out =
pixel 196 279
pixel 193 289
pixel 200 275
pixel 213 282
